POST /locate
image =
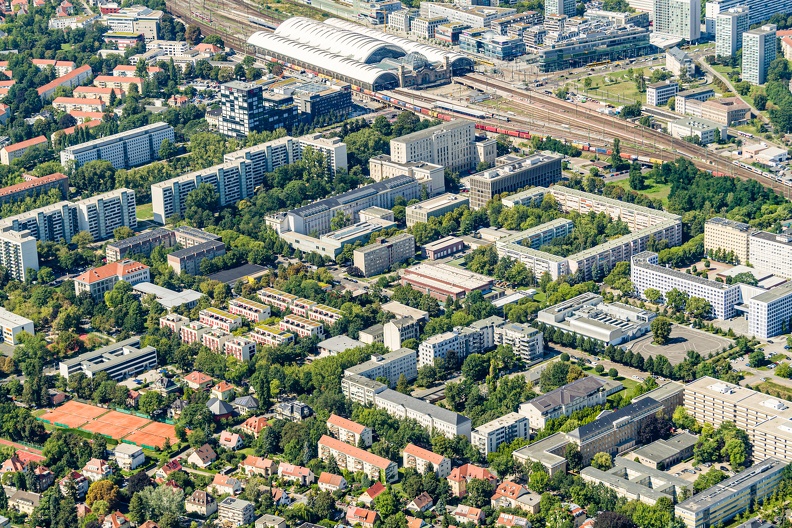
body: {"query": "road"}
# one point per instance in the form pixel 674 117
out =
pixel 624 371
pixel 709 69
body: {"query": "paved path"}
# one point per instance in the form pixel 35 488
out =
pixel 21 447
pixel 730 86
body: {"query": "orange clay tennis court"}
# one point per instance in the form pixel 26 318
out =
pixel 62 419
pixel 147 440
pixel 161 429
pixel 123 420
pixel 105 429
pixel 81 409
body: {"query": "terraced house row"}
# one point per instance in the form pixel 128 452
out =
pixel 298 306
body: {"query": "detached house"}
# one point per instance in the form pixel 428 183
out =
pixel 203 456
pixel 254 425
pixel 200 502
pixel 465 514
pixel 299 474
pixel 362 516
pixel 254 465
pixel 421 503
pixel 330 482
pixel 77 480
pixel 461 475
pixel 507 493
pixel 96 469
pixel 225 485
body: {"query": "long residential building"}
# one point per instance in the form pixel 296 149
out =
pixel 451 144
pixel 719 504
pixel 391 366
pixel 142 244
pixel 437 206
pixel 487 437
pixel 120 361
pixel 729 236
pixel 33 186
pixel 421 460
pixel 188 260
pixel 242 172
pixel 537 170
pixel 431 176
pixel 354 459
pixel 99 215
pixel 380 256
pixel 123 150
pixel 253 311
pixel 563 401
pixel 765 419
pixel 348 431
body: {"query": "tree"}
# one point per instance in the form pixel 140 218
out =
pixel 573 457
pixel 102 490
pixel 661 330
pixel 475 367
pixel 479 492
pixel 609 519
pixel 652 295
pixel 192 35
pixel 386 504
pixel 708 479
pixel 45 275
pixel 677 299
pixel 637 180
pixel 167 149
pixel 613 373
pixel 756 359
pixel 122 233
pixel 150 402
pixel 537 482
pixel 324 505
pixel 138 482
pixel 602 461
pixel 699 307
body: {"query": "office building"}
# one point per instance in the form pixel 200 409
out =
pixel 536 170
pixel 615 432
pixel 354 459
pixel 142 244
pixel 662 454
pixel 729 111
pixel 35 186
pixel 724 501
pixel 729 28
pixel 659 93
pixel 380 256
pixel 771 253
pixel 402 19
pixel 689 102
pixel 486 438
pixel 438 206
pixel 474 16
pixel 527 342
pixel 348 431
pixel 489 43
pixel 443 248
pixel 451 144
pixel 236 512
pixel 680 63
pixel 120 361
pixel 678 18
pixel 332 244
pixel 18 253
pixel 635 481
pixel 450 32
pixel 251 310
pixel 245 109
pixel 421 460
pixel 589 317
pixel 561 7
pixel 728 236
pixel 11 325
pixel 759 50
pixel 434 419
pixel 241 173
pixel 442 281
pixel 391 366
pixel 645 273
pixel 425 27
pixel 706 131
pixel 123 150
pixel 316 217
pixel 136 19
pixel 563 401
pixel 398 330
pixel 316 100
pixel 98 281
pixel 169 299
pixel 188 260
pixel 429 175
pixel 549 452
pixel 769 313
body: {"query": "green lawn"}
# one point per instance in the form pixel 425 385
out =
pixel 775 389
pixel 622 92
pixel 145 211
pixel 540 297
pixel 627 382
pixel 653 190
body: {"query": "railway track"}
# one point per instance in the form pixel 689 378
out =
pixel 624 130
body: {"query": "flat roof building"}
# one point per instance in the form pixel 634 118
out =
pixel 436 420
pixel 728 236
pixel 659 93
pixel 142 244
pixel 169 299
pixel 451 144
pixel 11 325
pixel 442 281
pixel 123 150
pixel 536 170
pixel 390 366
pixel 489 436
pixel 635 481
pixel 438 206
pixel 120 361
pixel 663 454
pixel 383 254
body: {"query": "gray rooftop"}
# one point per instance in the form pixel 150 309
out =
pixel 724 222
pixel 235 504
pixel 637 480
pixel 339 343
pixel 663 449
pixel 567 394
pixel 127 242
pixel 379 360
pixel 429 132
pixel 422 407
pixel 197 248
pixel 614 419
pixel 639 261
pixel 774 294
pixel 353 195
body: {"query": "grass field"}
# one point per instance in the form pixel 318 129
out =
pixel 774 389
pixel 653 190
pixel 621 92
pixel 144 211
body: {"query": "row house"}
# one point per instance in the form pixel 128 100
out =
pixel 253 311
pixel 193 332
pixel 302 326
pixel 421 460
pixel 217 318
pixel 270 335
pixel 354 459
pixel 348 431
pixel 302 307
pixel 241 348
pixel 325 314
pixel 215 339
pixel 276 298
pixel 174 322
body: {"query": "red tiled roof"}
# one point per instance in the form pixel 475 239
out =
pixel 65 78
pixel 348 425
pixel 78 100
pixel 424 454
pixel 355 452
pixel 32 184
pixel 330 479
pixel 360 515
pixel 26 144
pixel 258 462
pixel 256 423
pixel 375 490
pixel 116 78
pixel 469 471
pixel 88 124
pixel 117 268
pixel 197 377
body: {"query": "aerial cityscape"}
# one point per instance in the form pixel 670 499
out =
pixel 395 264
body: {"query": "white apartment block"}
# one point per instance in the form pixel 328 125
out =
pixel 486 438
pixel 438 206
pixel 348 431
pixel 354 459
pixel 770 313
pixel 425 27
pixel 429 175
pixel 276 298
pixel 241 348
pixel 433 418
pixel 380 256
pixel 561 7
pixel 441 346
pixel 11 325
pixel 236 512
pixel 301 326
pixel 658 94
pixel 334 150
pixel 217 318
pixel 729 236
pixel 729 28
pixel 129 456
pixel 451 144
pixel 253 311
pixel 192 332
pixel 679 18
pixel 645 273
pixel 759 50
pixel 18 253
pixel 758 10
pixel 123 150
pixel 396 331
pixel 169 48
pixel 473 16
pixel 215 339
pixel 390 366
pixel 420 459
pixel 120 361
pixel 173 322
pixel 527 342
pixel 771 252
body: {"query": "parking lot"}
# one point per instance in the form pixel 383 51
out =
pixel 683 338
